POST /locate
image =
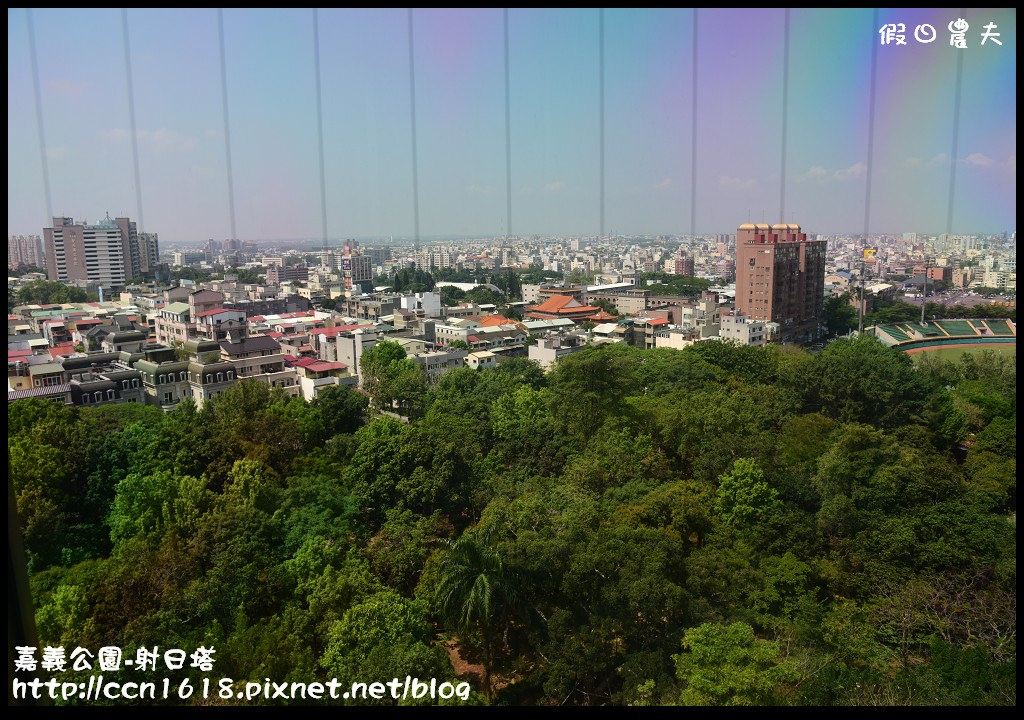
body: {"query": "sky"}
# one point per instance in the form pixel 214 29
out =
pixel 814 169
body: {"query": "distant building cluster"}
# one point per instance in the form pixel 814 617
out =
pixel 305 322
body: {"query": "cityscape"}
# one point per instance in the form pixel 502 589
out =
pixel 769 462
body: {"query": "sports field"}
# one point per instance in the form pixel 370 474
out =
pixel 954 352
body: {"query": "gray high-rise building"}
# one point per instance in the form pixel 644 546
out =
pixel 110 253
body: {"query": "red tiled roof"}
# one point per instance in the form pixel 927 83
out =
pixel 563 305
pixel 304 362
pixel 493 320
pixel 325 366
pixel 334 331
pixel 217 311
pixel 274 334
pixel 18 354
pixel 62 350
pixel 473 338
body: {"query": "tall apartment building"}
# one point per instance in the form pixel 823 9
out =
pixel 25 250
pixel 109 253
pixel 278 274
pixel 356 269
pixel 780 278
pixel 684 263
pixel 148 249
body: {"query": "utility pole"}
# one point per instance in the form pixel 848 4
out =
pixel 860 306
pixel 924 293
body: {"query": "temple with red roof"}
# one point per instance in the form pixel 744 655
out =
pixel 566 306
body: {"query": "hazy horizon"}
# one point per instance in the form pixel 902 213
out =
pixel 554 118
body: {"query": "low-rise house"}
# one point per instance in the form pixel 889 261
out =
pixel 481 359
pixel 548 350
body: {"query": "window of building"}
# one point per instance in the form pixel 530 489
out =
pixel 110 394
pixel 98 396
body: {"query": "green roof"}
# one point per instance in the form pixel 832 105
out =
pixel 176 307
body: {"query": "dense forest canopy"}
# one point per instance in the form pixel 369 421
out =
pixel 718 525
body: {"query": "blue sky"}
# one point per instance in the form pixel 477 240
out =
pixel 555 121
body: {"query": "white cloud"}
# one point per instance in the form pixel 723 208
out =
pixel 56 152
pixel 940 159
pixel 664 183
pixel 914 162
pixel 162 140
pixel 979 160
pixel 165 140
pixel 855 170
pixel 553 187
pixel 736 183
pixel 815 172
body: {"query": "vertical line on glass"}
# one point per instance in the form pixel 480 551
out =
pixel 693 145
pixel 600 33
pixel 320 127
pixel 415 158
pixel 785 120
pixel 508 138
pixel 227 123
pixel 131 118
pixel 871 127
pixel 956 136
pixel 39 114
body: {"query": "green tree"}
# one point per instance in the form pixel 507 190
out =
pixel 451 295
pixel 840 315
pixel 729 665
pixel 44 292
pixel 744 498
pixel 377 366
pixel 484 296
pixel 479 591
pixel 607 305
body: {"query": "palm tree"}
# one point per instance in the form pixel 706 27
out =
pixel 479 591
